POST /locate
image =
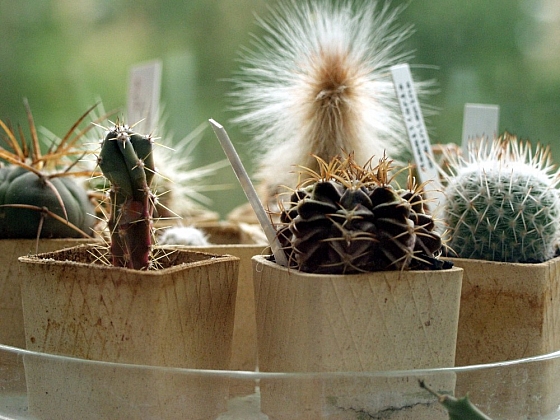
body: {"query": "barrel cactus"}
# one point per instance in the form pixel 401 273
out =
pixel 126 160
pixel 349 219
pixel 502 203
pixel 39 195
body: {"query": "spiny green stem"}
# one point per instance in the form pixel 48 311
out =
pixel 126 160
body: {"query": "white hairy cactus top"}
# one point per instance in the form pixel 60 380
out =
pixel 318 83
pixel 502 202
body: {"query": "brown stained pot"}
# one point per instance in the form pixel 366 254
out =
pixel 180 315
pixel 509 311
pixel 11 311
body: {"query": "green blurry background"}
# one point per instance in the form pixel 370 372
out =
pixel 63 55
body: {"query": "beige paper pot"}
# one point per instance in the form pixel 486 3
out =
pixel 396 320
pixel 178 316
pixel 11 312
pixel 509 311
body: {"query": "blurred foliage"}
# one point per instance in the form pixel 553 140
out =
pixel 63 55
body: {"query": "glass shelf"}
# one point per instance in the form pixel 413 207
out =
pixel 41 386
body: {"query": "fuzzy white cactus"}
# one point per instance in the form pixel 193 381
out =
pixel 317 83
pixel 502 202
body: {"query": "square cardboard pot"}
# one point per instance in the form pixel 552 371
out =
pixel 509 311
pixel 178 316
pixel 393 320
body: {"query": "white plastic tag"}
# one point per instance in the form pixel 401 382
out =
pixel 417 134
pixel 479 121
pixel 144 91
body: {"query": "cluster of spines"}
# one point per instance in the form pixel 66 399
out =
pixel 318 82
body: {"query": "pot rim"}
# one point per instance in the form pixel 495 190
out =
pixel 504 263
pixel 205 259
pixel 265 260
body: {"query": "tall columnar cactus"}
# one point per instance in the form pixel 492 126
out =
pixel 349 219
pixel 126 160
pixel 39 196
pixel 502 203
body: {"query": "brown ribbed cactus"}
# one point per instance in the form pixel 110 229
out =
pixel 349 219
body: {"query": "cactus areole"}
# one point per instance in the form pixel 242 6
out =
pixel 126 160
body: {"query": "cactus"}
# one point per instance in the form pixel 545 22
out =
pixel 126 160
pixel 348 218
pixel 38 195
pixel 502 203
pixel 457 408
pixel 54 207
pixel 318 83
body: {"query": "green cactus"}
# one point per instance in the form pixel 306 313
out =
pixel 27 196
pixel 502 203
pixel 349 219
pixel 457 408
pixel 126 160
pixel 38 197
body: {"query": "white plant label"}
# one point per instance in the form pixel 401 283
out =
pixel 144 90
pixel 250 192
pixel 417 134
pixel 479 120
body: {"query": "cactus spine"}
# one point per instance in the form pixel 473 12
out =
pixel 126 160
pixel 502 203
pixel 349 219
pixel 38 193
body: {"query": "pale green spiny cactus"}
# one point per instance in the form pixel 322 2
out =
pixel 502 203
